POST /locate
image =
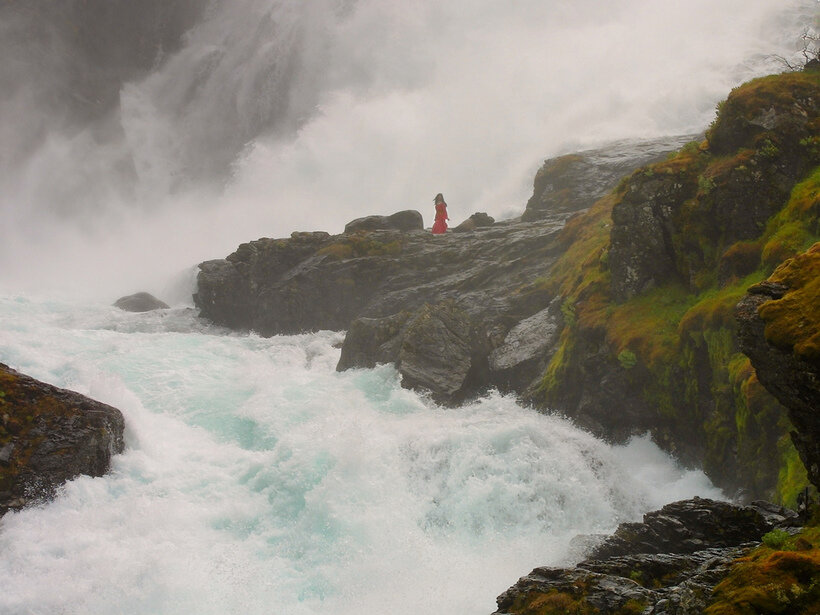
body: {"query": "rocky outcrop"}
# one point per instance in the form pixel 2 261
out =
pixel 779 329
pixel 140 302
pixel 407 220
pixel 573 182
pixel 435 306
pixel 620 316
pixel 668 564
pixel 48 436
pixel 649 282
pixel 674 219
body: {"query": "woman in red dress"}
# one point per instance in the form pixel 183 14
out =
pixel 440 225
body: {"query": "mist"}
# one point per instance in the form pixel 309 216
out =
pixel 127 160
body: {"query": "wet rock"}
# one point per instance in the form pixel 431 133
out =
pixel 443 351
pixel 519 360
pixel 370 341
pixel 373 283
pixel 477 220
pixel 573 182
pixel 669 564
pixel 50 435
pixel 689 526
pixel 407 220
pixel 140 302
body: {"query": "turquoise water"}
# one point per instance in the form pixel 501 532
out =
pixel 258 480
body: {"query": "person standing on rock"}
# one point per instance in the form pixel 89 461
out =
pixel 440 225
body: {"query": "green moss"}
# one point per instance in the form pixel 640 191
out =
pixel 678 341
pixel 781 577
pixel 360 244
pixel 793 321
pixel 793 476
pixel 776 538
pixel 627 359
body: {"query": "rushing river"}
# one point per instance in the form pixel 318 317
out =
pixel 256 479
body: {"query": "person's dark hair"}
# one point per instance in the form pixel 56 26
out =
pixel 439 198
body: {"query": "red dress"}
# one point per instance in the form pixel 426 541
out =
pixel 440 225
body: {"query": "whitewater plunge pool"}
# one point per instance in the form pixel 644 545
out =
pixel 258 480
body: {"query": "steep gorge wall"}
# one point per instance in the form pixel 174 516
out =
pixel 651 277
pixel 622 318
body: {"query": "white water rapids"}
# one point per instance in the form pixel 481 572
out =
pixel 256 479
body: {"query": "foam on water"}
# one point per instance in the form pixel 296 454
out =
pixel 257 479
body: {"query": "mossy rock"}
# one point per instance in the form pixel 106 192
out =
pixel 793 321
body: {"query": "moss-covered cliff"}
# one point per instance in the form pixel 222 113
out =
pixel 651 276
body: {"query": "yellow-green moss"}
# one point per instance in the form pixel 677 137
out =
pixel 553 602
pixel 773 91
pixel 793 477
pixel 677 343
pixel 793 321
pixel 361 244
pixel 776 581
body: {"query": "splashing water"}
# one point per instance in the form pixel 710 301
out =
pixel 257 479
pixel 280 115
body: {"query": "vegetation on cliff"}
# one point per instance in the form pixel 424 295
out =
pixel 652 273
pixel 780 576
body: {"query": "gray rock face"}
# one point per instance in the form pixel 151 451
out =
pixel 407 220
pixel 140 302
pixel 51 435
pixel 572 182
pixel 642 253
pixel 519 360
pixel 444 351
pixel 379 285
pixel 669 564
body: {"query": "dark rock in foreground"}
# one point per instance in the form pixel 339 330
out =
pixel 140 302
pixel 48 436
pixel 669 564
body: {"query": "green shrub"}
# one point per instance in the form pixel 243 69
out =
pixel 776 538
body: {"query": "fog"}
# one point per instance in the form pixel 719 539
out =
pixel 251 118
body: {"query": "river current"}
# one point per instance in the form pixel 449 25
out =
pixel 256 479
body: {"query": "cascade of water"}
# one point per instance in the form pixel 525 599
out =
pixel 270 116
pixel 257 479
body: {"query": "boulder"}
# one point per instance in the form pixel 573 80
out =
pixel 140 302
pixel 50 435
pixel 519 360
pixel 407 220
pixel 443 351
pixel 477 220
pixel 370 341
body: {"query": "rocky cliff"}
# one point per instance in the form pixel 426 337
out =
pixel 620 316
pixel 652 274
pixel 780 332
pixel 48 436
